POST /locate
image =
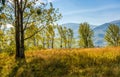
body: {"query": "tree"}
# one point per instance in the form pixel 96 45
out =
pixel 20 8
pixel 85 34
pixel 66 36
pixel 70 37
pixel 51 17
pixel 25 12
pixel 60 31
pixel 33 41
pixel 50 35
pixel 64 33
pixel 48 38
pixel 112 35
pixel 1 38
pixel 43 40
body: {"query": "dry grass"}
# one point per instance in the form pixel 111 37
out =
pixel 90 62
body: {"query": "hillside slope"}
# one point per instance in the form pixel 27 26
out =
pixel 99 33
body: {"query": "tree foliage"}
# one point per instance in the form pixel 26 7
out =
pixel 28 17
pixel 85 34
pixel 50 35
pixel 112 35
pixel 66 36
pixel 70 37
pixel 60 31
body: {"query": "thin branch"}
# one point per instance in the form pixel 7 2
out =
pixel 25 5
pixel 35 33
pixel 27 22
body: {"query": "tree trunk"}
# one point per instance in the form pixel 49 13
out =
pixel 61 43
pixel 48 43
pixel 22 49
pixel 34 40
pixel 53 42
pixel 19 32
pixel 65 45
pixel 43 39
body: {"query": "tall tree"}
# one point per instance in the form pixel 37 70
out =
pixel 85 34
pixel 70 37
pixel 66 36
pixel 48 38
pixel 52 16
pixel 60 31
pixel 22 14
pixel 50 35
pixel 1 38
pixel 32 29
pixel 112 35
pixel 20 8
pixel 43 40
pixel 64 33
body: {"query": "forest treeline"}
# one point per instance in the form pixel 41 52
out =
pixel 34 24
pixel 57 36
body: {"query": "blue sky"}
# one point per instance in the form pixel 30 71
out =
pixel 94 12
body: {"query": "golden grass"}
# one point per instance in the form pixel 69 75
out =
pixel 89 62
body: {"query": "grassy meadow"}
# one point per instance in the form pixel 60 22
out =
pixel 90 62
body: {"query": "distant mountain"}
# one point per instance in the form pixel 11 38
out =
pixel 99 33
pixel 75 27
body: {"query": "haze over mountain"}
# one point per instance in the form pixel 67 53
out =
pixel 99 31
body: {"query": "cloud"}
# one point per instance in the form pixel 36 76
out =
pixel 92 10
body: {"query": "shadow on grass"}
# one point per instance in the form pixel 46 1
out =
pixel 88 67
pixel 39 67
pixel 1 69
pixel 19 64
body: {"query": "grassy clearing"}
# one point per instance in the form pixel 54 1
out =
pixel 91 62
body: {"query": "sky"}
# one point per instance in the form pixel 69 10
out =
pixel 95 12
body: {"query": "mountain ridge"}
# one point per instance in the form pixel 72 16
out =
pixel 99 31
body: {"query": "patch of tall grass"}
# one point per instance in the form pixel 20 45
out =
pixel 90 62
